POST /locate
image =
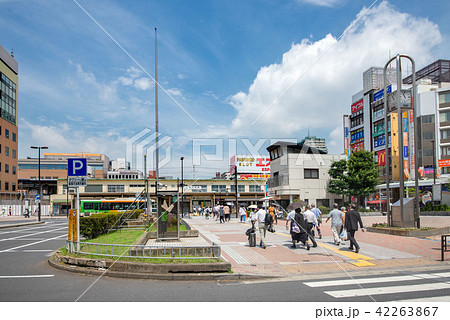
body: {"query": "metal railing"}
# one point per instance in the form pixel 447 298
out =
pixel 144 251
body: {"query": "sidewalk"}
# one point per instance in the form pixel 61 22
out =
pixel 377 250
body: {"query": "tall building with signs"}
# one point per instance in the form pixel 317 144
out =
pixel 9 79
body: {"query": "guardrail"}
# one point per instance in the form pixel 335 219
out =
pixel 144 251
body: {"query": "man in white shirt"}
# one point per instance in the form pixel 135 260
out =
pixel 261 218
pixel 290 216
pixel 311 220
pixel 337 220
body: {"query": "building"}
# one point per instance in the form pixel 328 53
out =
pixel 300 172
pixel 364 128
pixel 54 167
pixel 197 193
pixel 9 83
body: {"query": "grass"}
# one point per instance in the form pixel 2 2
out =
pixel 172 228
pixel 127 237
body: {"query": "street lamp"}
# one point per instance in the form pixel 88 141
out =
pixel 182 187
pixel 39 176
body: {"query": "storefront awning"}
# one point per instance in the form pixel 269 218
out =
pixel 376 201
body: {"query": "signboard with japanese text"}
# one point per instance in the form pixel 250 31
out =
pixel 72 235
pixel 249 164
pixel 358 105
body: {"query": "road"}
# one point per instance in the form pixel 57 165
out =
pixel 25 276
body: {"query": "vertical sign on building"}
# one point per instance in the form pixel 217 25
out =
pixel 395 152
pixel 411 144
pixel 405 143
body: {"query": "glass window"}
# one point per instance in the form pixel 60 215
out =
pixel 219 188
pixel 255 188
pixel 445 134
pixel 311 173
pixel 428 118
pixel 7 133
pixel 116 188
pixel 428 135
pixel 444 97
pixel 444 117
pixel 14 136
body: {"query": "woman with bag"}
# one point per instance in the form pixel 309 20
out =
pixel 298 229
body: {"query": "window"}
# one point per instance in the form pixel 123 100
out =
pixel 255 188
pixel 445 151
pixel 427 152
pixel 241 188
pixel 116 188
pixel 6 133
pixel 94 188
pixel 6 168
pixel 311 173
pixel 6 186
pixel 14 136
pixel 14 153
pixel 428 135
pixel 445 134
pixel 275 153
pixel 444 97
pixel 428 118
pixel 219 188
pixel 13 187
pixel 6 151
pixel 444 117
pixel 13 170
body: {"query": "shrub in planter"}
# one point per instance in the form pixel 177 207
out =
pixel 99 223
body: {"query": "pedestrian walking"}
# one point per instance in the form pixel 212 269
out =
pixel 27 213
pixel 262 226
pixel 311 221
pixel 318 215
pixel 226 209
pixel 272 212
pixel 298 229
pixel 221 214
pixel 337 220
pixel 352 219
pixel 253 217
pixel 9 211
pixel 242 213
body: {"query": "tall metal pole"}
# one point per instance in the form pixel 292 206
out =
pixel 157 135
pixel 401 176
pixel 40 186
pixel 386 147
pixel 182 186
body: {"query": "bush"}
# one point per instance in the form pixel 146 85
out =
pixel 438 207
pixel 99 223
pixel 324 210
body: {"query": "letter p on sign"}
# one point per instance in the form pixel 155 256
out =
pixel 76 167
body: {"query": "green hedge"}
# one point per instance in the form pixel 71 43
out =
pixel 99 223
pixel 438 207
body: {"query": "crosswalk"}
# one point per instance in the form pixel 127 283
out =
pixel 410 287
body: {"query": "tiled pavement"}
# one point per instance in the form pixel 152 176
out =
pixel 377 250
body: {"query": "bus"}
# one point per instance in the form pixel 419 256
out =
pixel 88 207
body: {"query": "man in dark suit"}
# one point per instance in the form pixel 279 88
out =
pixel 352 218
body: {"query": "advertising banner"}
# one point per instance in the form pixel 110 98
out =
pixel 249 164
pixel 358 105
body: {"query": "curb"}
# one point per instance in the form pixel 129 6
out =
pixel 191 276
pixel 20 224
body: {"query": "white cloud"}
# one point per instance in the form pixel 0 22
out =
pixel 322 3
pixel 143 83
pixel 325 74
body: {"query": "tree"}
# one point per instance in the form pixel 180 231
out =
pixel 362 175
pixel 338 183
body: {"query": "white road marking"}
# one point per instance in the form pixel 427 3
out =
pixel 388 290
pixel 32 234
pixel 316 284
pixel 28 276
pixel 33 243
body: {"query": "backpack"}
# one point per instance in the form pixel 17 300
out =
pixel 268 220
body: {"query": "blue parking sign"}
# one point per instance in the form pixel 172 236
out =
pixel 77 167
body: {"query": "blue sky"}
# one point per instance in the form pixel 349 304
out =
pixel 232 74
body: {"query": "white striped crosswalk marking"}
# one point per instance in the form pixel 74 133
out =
pixel 388 290
pixel 344 282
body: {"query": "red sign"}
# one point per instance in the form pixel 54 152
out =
pixel 444 163
pixel 382 158
pixel 357 106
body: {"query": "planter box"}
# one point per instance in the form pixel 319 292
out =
pixel 410 233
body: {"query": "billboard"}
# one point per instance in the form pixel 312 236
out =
pixel 358 105
pixel 249 164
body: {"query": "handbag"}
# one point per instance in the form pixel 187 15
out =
pixel 295 227
pixel 343 235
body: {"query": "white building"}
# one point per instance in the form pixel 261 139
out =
pixel 300 172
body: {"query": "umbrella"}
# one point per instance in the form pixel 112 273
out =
pixel 253 206
pixel 295 205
